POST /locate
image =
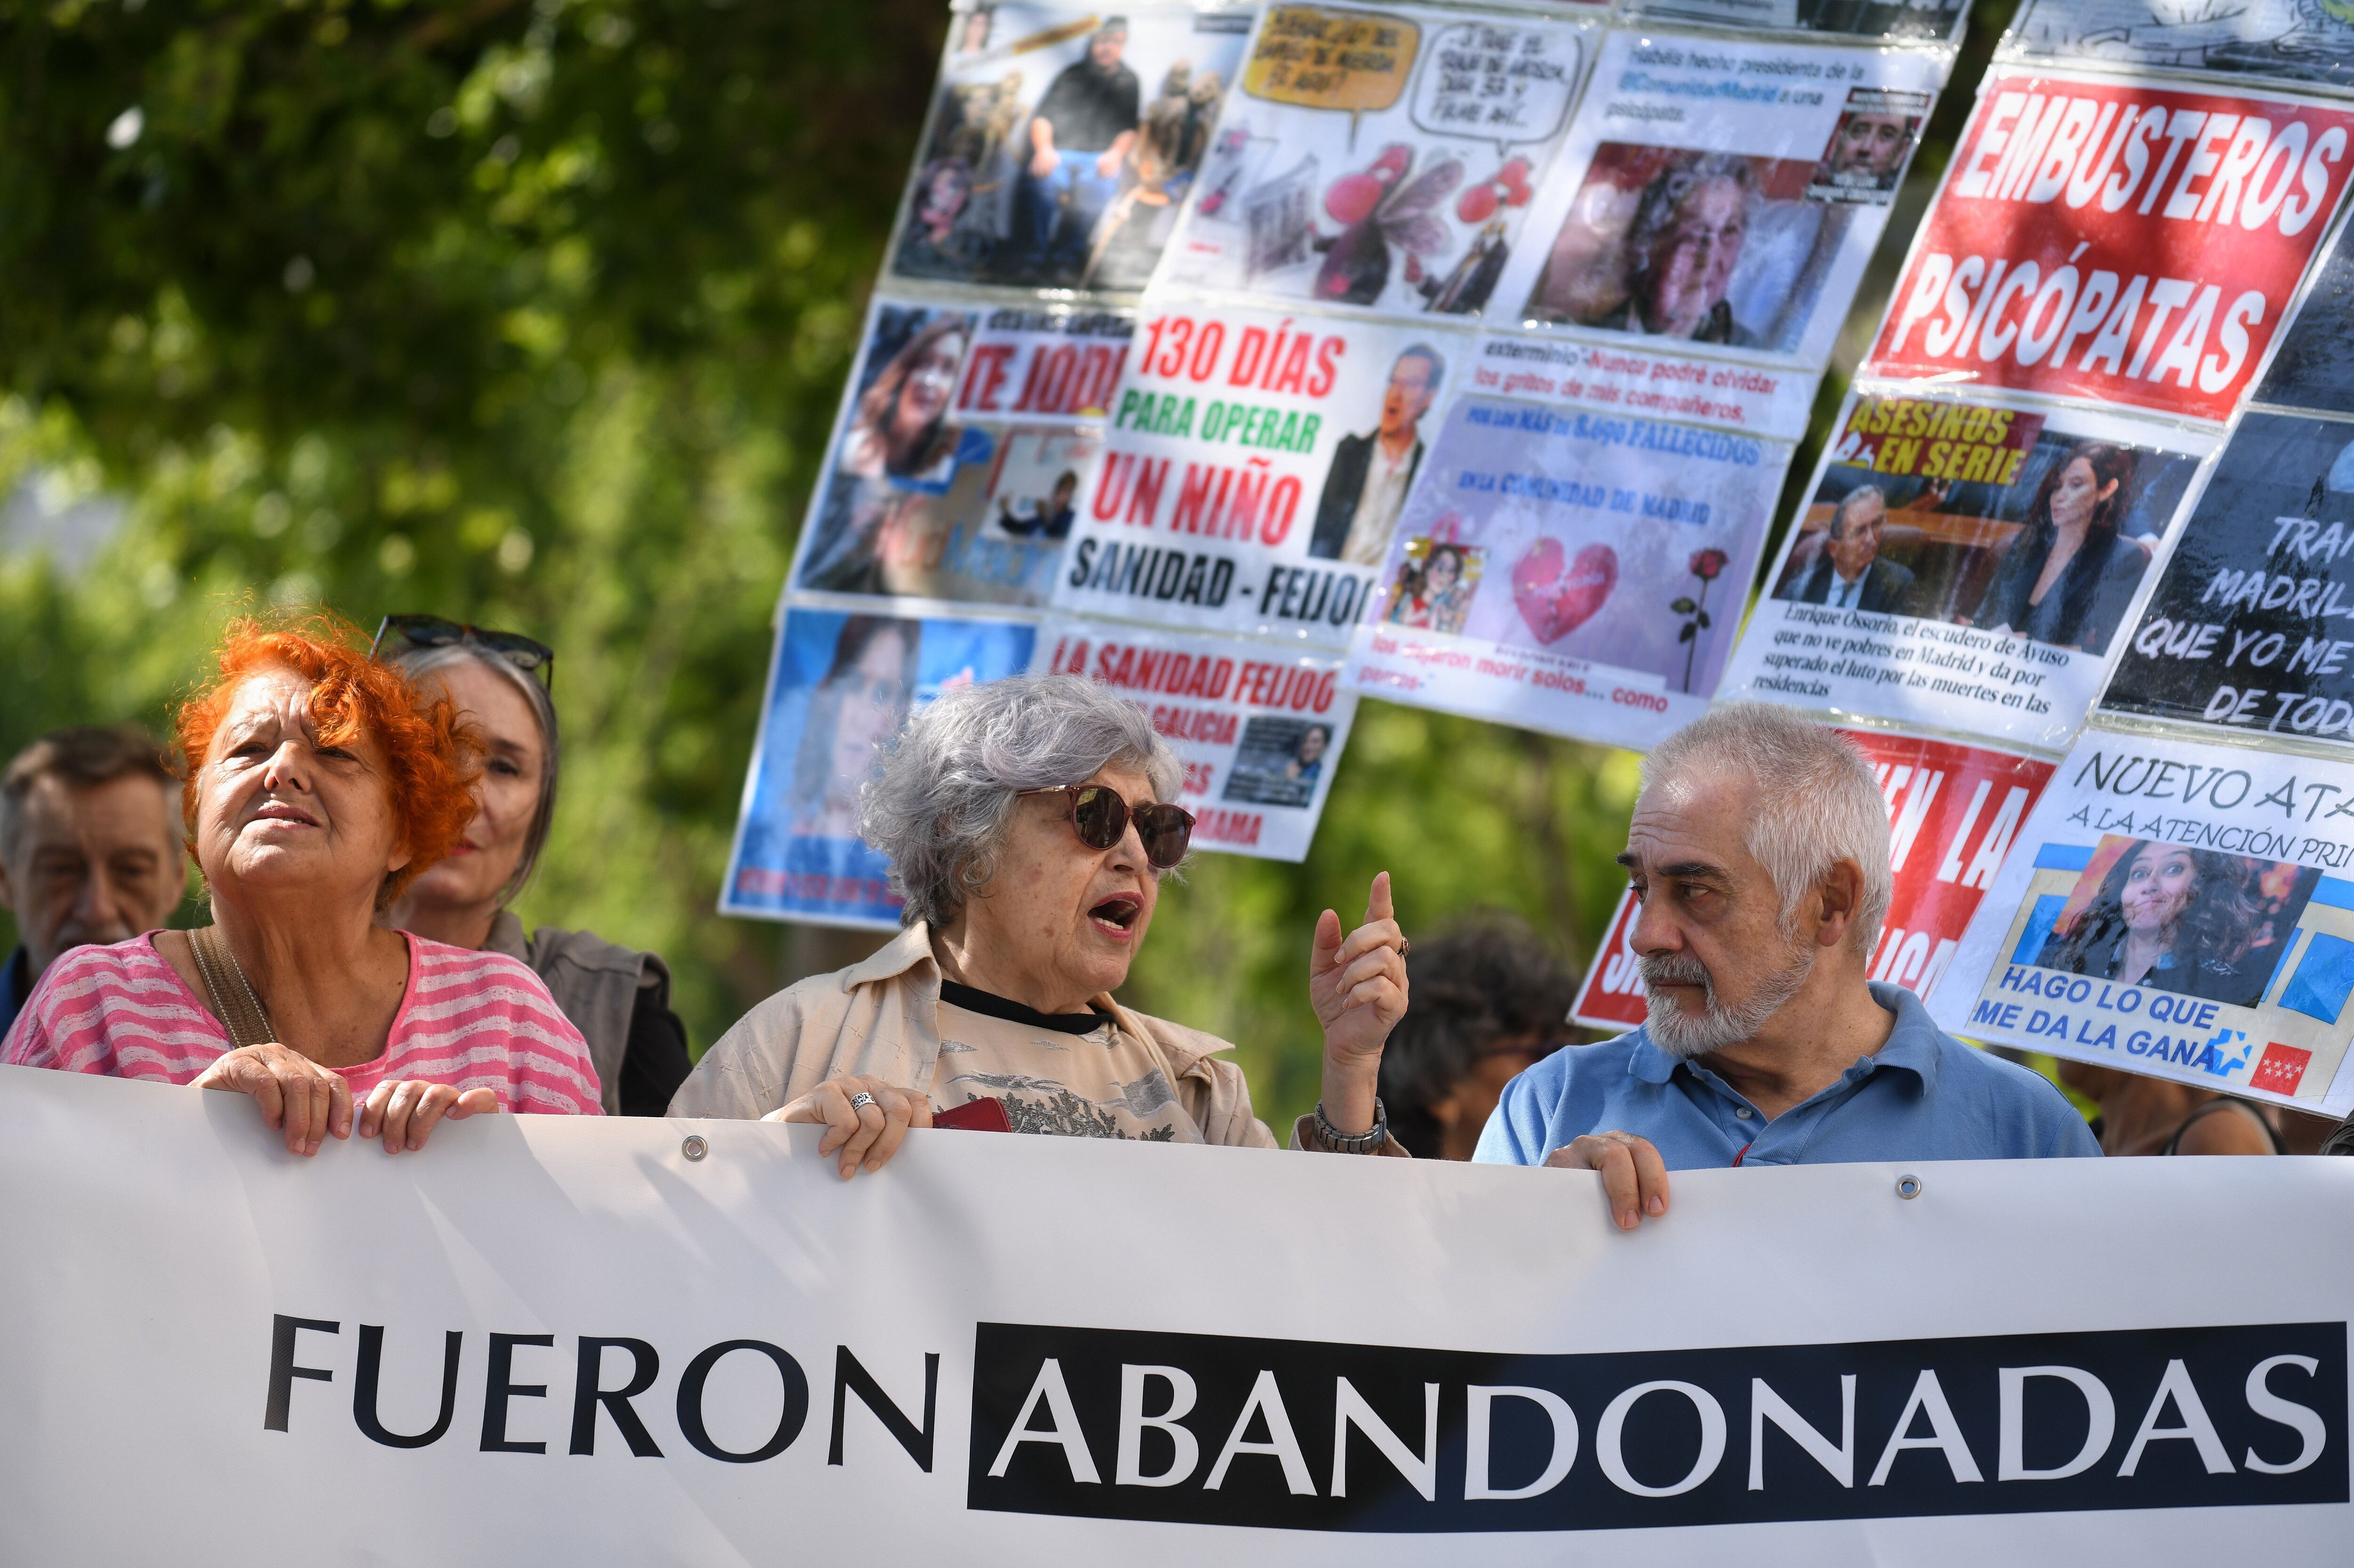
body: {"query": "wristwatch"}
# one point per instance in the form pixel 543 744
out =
pixel 1340 1142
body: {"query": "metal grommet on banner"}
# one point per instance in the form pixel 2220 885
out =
pixel 696 1149
pixel 1908 1186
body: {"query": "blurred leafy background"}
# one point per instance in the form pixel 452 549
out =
pixel 533 313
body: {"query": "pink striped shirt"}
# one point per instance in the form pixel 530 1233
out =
pixel 472 1020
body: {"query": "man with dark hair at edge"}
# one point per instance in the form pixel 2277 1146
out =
pixel 1850 573
pixel 1079 136
pixel 89 848
pixel 1759 858
pixel 1365 489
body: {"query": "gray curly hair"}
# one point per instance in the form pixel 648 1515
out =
pixel 940 800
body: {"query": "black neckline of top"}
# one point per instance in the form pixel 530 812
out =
pixel 991 1005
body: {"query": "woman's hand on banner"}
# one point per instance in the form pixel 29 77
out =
pixel 865 1119
pixel 404 1113
pixel 1634 1177
pixel 308 1103
pixel 1357 986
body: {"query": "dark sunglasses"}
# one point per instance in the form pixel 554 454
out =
pixel 432 631
pixel 1101 817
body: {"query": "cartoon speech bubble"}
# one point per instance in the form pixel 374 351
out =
pixel 1497 81
pixel 1318 59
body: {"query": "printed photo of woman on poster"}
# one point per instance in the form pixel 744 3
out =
pixel 856 708
pixel 2067 578
pixel 2187 920
pixel 1434 587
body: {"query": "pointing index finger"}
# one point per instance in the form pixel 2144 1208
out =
pixel 1377 904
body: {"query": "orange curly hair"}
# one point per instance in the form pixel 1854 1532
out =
pixel 428 773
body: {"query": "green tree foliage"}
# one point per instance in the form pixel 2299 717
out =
pixel 534 316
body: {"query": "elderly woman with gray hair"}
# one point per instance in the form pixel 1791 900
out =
pixel 1029 824
pixel 617 996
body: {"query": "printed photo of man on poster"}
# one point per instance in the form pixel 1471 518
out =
pixel 1370 473
pixel 1064 143
pixel 1848 573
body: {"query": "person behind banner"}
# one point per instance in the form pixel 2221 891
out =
pixel 1849 573
pixel 1028 828
pixel 1488 1000
pixel 2172 917
pixel 1366 486
pixel 89 848
pixel 320 785
pixel 1759 858
pixel 617 996
pixel 2143 1116
pixel 2068 576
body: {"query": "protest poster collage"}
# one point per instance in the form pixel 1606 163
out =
pixel 1254 358
pixel 1226 353
pixel 2079 518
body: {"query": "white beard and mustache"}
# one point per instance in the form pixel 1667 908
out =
pixel 1721 1023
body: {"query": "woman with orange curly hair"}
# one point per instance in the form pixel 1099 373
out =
pixel 320 784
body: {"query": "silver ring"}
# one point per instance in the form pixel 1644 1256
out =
pixel 861 1099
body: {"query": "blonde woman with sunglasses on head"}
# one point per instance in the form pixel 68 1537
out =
pixel 617 996
pixel 1029 823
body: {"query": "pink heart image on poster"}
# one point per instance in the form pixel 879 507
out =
pixel 1554 600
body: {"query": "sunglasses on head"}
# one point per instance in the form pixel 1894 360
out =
pixel 432 631
pixel 1101 818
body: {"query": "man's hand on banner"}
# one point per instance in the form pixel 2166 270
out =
pixel 1357 987
pixel 404 1114
pixel 865 1119
pixel 307 1102
pixel 1634 1177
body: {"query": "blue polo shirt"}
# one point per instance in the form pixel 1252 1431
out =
pixel 1922 1095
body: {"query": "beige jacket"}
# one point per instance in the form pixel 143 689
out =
pixel 881 1019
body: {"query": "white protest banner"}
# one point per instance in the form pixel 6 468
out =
pixel 1721 192
pixel 1378 160
pixel 551 1339
pixel 1556 570
pixel 2117 242
pixel 2176 907
pixel 1258 728
pixel 1908 589
pixel 1255 468
pixel 1953 811
pixel 966 438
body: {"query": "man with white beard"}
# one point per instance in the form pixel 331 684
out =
pixel 1759 855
